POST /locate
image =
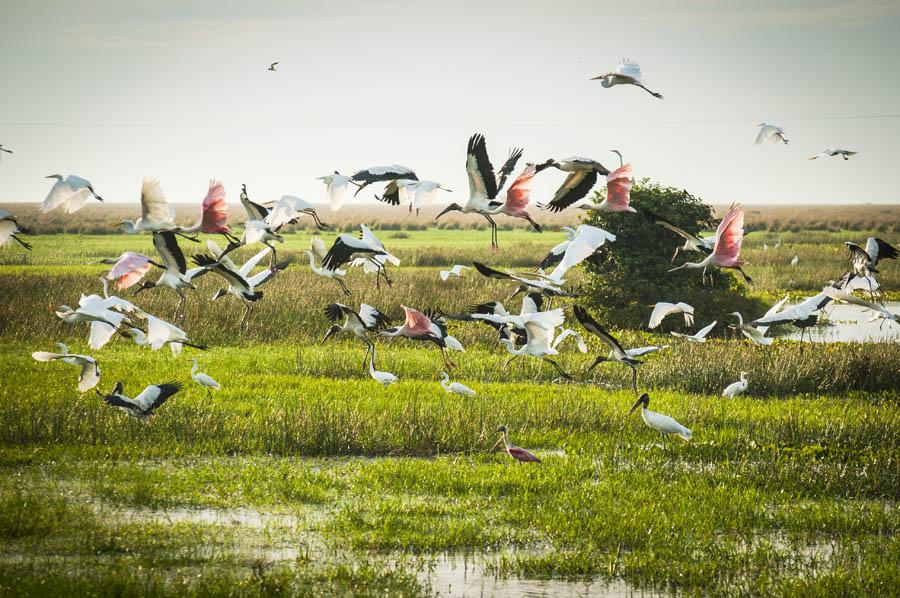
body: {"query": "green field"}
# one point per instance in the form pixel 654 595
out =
pixel 304 476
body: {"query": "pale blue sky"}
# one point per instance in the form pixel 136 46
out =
pixel 115 90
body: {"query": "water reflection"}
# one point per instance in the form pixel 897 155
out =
pixel 849 323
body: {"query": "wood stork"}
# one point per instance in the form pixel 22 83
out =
pixel 418 326
pixel 288 210
pixel 143 405
pixel 736 388
pixel 176 275
pixel 336 187
pixel 10 230
pixel 663 309
pixel 802 316
pixel 699 336
pixel 582 176
pixel 156 214
pixel 692 242
pixel 272 66
pixel 455 387
pixel 845 154
pixel 384 378
pixel 70 193
pixel 663 424
pixel 627 73
pixel 484 183
pixel 770 133
pixel 545 287
pixel 89 375
pixel 128 268
pixel 864 262
pixel 347 247
pixel 424 193
pixel 397 192
pixel 456 270
pixel 618 192
pixel 214 214
pixel 316 254
pixel 541 339
pixel 587 242
pixel 727 247
pixel 381 174
pixel 256 227
pixel 204 380
pixel 517 453
pixel 360 324
pixel 531 302
pixel 616 351
pixel 845 296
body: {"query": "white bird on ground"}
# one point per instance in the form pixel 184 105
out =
pixel 10 229
pixel 336 187
pixel 587 241
pixel 540 330
pixel 845 154
pixel 794 261
pixel 176 275
pixel 456 270
pixel 288 210
pixel 627 73
pixel 316 254
pixel 424 193
pixel 156 214
pixel 144 404
pixel 70 192
pixel 89 375
pixel 699 336
pixel 385 378
pixel 663 309
pixel 347 247
pixel 455 387
pixel 736 388
pixel 616 351
pixel 204 380
pixel 663 424
pixel 770 133
pixel 360 324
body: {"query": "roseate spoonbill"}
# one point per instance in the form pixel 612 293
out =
pixel 316 254
pixel 156 214
pixel 627 73
pixel 770 133
pixel 456 270
pixel 616 352
pixel 240 284
pixel 10 230
pixel 384 378
pixel 845 154
pixel 727 248
pixel 70 192
pixel 336 186
pixel 455 387
pixel 204 380
pixel 143 405
pixel 518 195
pixel 587 242
pixel 176 275
pixel 736 388
pixel 663 309
pixel 699 336
pixel 691 242
pixel 214 214
pixel 582 177
pixel 419 327
pixel 517 453
pixel 272 66
pixel 541 339
pixel 346 247
pixel 424 193
pixel 128 268
pixel 484 183
pixel 801 315
pixel 618 192
pixel 377 174
pixel 89 375
pixel 663 424
pixel 542 286
pixel 358 323
pixel 288 210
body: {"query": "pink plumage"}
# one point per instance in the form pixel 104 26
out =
pixel 729 236
pixel 214 211
pixel 417 323
pixel 129 269
pixel 521 454
pixel 519 193
pixel 618 189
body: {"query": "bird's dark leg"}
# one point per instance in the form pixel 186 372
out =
pixel 272 257
pixel 188 237
pixel 446 358
pixel 208 393
pixel 534 224
pixel 495 246
pixel 509 361
pixel 22 243
pixel 247 307
pixel 558 369
pixel 343 287
pixel 633 378
pixel 369 346
pixel 744 274
pixel 382 270
pixel 319 224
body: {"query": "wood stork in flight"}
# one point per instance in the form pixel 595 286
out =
pixel 455 387
pixel 864 262
pixel 336 187
pixel 484 183
pixel 663 309
pixel 616 351
pixel 204 380
pixel 176 275
pixel 540 285
pixel 692 242
pixel 736 388
pixel 10 230
pixel 582 176
pixel 143 405
pixel 347 247
pixel 845 296
pixel 531 302
pixel 517 453
pixel 587 242
pixel 381 174
pixel 699 336
pixel 456 270
pixel 156 214
pixel 555 255
pixel 727 248
pixel 214 214
pixel 663 424
pixel 70 193
pixel 361 324
pixel 845 154
pixel 316 254
pixel 770 133
pixel 803 316
pixel 627 73
pixel 89 375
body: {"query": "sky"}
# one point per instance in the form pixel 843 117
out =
pixel 117 90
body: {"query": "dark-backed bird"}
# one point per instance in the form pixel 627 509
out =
pixel 582 176
pixel 663 424
pixel 143 405
pixel 616 351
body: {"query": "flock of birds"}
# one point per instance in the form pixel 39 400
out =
pixel 531 332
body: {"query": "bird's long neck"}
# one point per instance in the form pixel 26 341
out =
pixel 194 369
pixel 312 260
pixel 445 379
pixel 505 439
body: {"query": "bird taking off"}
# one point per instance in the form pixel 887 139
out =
pixel 627 73
pixel 272 66
pixel 770 133
pixel 845 154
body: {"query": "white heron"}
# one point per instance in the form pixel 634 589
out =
pixel 627 73
pixel 156 214
pixel 256 227
pixel 531 302
pixel 699 336
pixel 105 315
pixel 288 210
pixel 10 229
pixel 456 270
pixel 541 339
pixel 424 193
pixel 336 187
pixel 663 424
pixel 160 333
pixel 663 309
pixel 455 387
pixel 845 154
pixel 750 331
pixel 70 193
pixel 384 378
pixel 347 247
pixel 770 133
pixel 89 375
pixel 736 388
pixel 794 261
pixel 204 380
pixel 316 254
pixel 143 405
pixel 586 243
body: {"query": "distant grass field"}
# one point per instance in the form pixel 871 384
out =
pixel 303 476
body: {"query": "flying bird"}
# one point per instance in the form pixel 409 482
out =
pixel 347 247
pixel 616 351
pixel 627 73
pixel 272 66
pixel 143 405
pixel 316 254
pixel 770 133
pixel 518 195
pixel 736 388
pixel 3 149
pixel 541 338
pixel 176 275
pixel 10 230
pixel 89 375
pixel 692 242
pixel 456 270
pixel 618 192
pixel 336 187
pixel 699 336
pixel 214 214
pixel 128 269
pixel 70 193
pixel 663 309
pixel 156 214
pixel 584 245
pixel 419 326
pixel 517 453
pixel 663 424
pixel 540 285
pixel 845 154
pixel 727 247
pixel 288 210
pixel 582 176
pixel 383 174
pixel 359 323
pixel 256 228
pixel 424 193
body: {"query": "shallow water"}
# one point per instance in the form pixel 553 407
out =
pixel 849 323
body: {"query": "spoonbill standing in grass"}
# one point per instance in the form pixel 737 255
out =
pixel 663 424
pixel 143 405
pixel 336 187
pixel 347 247
pixel 360 323
pixel 89 375
pixel 663 309
pixel 770 133
pixel 736 388
pixel 587 242
pixel 455 387
pixel 70 193
pixel 484 183
pixel 384 378
pixel 214 214
pixel 156 214
pixel 176 275
pixel 582 176
pixel 845 154
pixel 204 380
pixel 10 230
pixel 616 351
pixel 316 254
pixel 727 248
pixel 699 336
pixel 456 270
pixel 702 245
pixel 627 73
pixel 517 453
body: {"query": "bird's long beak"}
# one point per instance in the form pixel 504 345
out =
pixel 496 444
pixel 447 209
pixel 597 362
pixel 138 290
pixel 637 404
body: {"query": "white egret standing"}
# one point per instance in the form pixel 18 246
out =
pixel 384 378
pixel 455 387
pixel 736 388
pixel 204 380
